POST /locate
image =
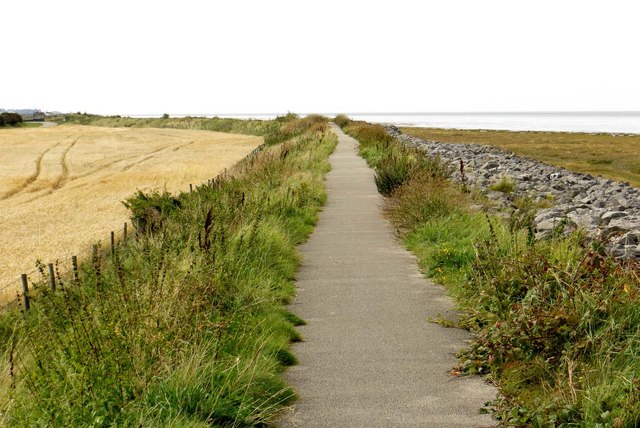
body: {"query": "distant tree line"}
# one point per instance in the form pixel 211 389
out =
pixel 10 119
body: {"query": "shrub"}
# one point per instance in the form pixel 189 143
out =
pixel 149 210
pixel 342 120
pixel 11 118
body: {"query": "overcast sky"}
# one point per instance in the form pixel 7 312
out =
pixel 197 56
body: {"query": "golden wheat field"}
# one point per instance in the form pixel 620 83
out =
pixel 61 188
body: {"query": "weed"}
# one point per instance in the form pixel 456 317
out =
pixel 505 185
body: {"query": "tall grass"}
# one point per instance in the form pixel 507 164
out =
pixel 183 326
pixel 394 163
pixel 556 323
pixel 274 131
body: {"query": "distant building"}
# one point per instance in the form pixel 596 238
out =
pixel 35 116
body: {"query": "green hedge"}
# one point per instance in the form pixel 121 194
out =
pixel 10 119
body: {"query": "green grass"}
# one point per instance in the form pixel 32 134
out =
pixel 274 131
pixel 505 185
pixel 184 326
pixel 556 323
pixel 23 125
pixel 613 156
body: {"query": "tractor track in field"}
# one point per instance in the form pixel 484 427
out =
pixel 66 177
pixel 64 164
pixel 32 178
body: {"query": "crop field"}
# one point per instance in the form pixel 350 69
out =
pixel 61 188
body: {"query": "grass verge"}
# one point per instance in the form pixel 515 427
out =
pixel 273 131
pixel 614 156
pixel 22 125
pixel 556 323
pixel 185 325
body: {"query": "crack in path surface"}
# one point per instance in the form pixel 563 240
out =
pixel 369 357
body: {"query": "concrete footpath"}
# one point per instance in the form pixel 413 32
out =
pixel 369 357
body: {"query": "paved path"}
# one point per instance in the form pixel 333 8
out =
pixel 370 358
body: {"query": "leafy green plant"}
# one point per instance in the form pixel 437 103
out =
pixel 150 210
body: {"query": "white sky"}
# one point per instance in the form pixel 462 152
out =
pixel 197 56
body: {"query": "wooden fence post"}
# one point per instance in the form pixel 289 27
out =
pixel 25 291
pixel 113 242
pixel 125 232
pixel 74 262
pixel 52 278
pixel 190 188
pixel 96 265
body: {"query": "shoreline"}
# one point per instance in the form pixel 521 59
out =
pixel 589 122
pixel 625 123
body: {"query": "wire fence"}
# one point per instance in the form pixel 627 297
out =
pixel 16 293
pixel 63 269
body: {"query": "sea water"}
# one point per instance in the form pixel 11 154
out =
pixel 593 122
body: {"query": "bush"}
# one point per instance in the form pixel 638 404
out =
pixel 11 118
pixel 149 210
pixel 342 120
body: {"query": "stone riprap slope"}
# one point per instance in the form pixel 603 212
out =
pixel 604 209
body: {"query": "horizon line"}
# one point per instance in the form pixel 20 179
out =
pixel 399 113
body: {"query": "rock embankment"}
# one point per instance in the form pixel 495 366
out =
pixel 605 209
